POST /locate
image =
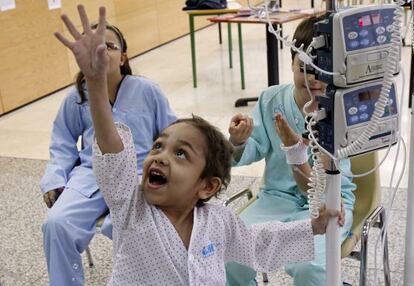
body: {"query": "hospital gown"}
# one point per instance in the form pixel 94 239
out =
pixel 148 250
pixel 279 197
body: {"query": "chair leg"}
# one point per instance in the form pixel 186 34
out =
pixel 89 256
pixel 363 262
pixel 265 278
pixel 385 260
pixel 364 247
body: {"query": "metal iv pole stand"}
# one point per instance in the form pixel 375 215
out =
pixel 333 201
pixel 333 242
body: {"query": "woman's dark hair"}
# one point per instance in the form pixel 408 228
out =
pixel 125 68
pixel 304 33
pixel 218 154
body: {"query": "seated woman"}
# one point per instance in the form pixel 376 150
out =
pixel 69 185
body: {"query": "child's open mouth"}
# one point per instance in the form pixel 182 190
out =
pixel 156 178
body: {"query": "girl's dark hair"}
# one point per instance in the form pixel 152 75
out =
pixel 125 68
pixel 218 154
pixel 304 33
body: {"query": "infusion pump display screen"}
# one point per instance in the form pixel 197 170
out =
pixel 360 104
pixel 369 95
pixel 370 19
pixel 367 29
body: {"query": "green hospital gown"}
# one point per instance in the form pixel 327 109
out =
pixel 279 197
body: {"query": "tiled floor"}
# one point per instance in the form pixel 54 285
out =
pixel 22 261
pixel 25 134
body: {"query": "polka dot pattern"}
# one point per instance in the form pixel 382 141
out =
pixel 149 251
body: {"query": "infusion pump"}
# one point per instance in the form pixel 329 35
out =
pixel 348 112
pixel 357 43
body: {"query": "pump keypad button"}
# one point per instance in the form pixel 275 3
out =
pixel 353 110
pixel 380 30
pixel 381 39
pixel 352 35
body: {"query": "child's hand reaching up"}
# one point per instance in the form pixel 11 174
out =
pixel 319 224
pixel 88 48
pixel 240 128
pixel 90 51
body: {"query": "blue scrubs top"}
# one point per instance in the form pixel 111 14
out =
pixel 140 104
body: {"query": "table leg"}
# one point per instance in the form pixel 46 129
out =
pixel 281 34
pixel 193 55
pixel 272 58
pixel 410 104
pixel 230 45
pixel 219 28
pixel 272 66
pixel 281 30
pixel 243 86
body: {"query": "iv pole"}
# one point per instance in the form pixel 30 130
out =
pixel 333 197
pixel 333 243
pixel 333 201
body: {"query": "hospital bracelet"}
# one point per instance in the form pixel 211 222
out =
pixel 296 154
pixel 239 147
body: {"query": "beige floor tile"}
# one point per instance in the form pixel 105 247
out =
pixel 30 144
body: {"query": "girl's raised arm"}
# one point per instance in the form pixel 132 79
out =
pixel 91 55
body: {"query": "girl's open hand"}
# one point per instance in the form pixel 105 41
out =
pixel 285 132
pixel 241 126
pixel 88 48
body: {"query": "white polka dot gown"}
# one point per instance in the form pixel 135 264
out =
pixel 149 251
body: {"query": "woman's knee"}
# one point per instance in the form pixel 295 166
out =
pixel 56 223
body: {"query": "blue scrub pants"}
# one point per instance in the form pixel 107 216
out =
pixel 285 208
pixel 67 232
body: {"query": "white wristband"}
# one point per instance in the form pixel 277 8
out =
pixel 238 147
pixel 296 154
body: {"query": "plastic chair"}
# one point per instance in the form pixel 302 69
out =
pixel 367 213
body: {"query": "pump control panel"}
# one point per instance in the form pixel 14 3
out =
pixel 348 112
pixel 357 44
